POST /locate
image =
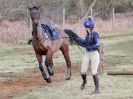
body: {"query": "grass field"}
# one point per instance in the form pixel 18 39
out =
pixel 20 77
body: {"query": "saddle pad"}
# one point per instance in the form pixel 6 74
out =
pixel 52 35
pixel 55 35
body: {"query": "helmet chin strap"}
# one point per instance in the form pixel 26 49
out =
pixel 89 31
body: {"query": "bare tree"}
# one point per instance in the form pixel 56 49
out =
pixel 90 8
pixel 80 4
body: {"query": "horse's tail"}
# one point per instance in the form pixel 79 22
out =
pixel 29 41
pixel 71 35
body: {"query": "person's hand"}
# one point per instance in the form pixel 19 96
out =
pixel 87 31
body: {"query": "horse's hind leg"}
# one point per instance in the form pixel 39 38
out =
pixel 65 50
pixel 44 71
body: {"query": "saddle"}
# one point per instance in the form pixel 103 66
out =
pixel 49 30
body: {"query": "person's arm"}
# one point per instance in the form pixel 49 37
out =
pixel 96 39
pixel 80 41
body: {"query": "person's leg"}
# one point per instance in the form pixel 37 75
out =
pixel 84 69
pixel 96 83
pixel 95 59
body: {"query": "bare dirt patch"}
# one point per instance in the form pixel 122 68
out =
pixel 28 81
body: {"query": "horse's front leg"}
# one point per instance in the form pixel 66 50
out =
pixel 44 70
pixel 49 61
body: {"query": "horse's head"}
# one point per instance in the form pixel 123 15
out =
pixel 35 14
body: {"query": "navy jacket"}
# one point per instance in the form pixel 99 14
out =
pixel 91 43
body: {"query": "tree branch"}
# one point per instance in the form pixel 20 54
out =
pixel 91 6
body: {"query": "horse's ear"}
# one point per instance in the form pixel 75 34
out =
pixel 29 8
pixel 39 7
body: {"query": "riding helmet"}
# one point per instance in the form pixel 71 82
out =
pixel 89 23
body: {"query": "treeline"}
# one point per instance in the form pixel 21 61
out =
pixel 18 9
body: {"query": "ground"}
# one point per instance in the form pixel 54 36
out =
pixel 20 77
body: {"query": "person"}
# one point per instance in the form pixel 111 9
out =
pixel 91 43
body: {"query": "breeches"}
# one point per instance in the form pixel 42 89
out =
pixel 90 58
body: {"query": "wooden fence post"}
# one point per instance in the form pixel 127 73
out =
pixel 63 18
pixel 101 64
pixel 113 18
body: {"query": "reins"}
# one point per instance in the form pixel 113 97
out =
pixel 74 42
pixel 80 48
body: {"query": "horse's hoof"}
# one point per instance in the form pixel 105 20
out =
pixel 51 73
pixel 82 87
pixel 96 92
pixel 68 78
pixel 48 80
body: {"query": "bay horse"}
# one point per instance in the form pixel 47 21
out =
pixel 44 46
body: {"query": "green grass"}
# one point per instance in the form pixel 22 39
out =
pixel 7 48
pixel 75 56
pixel 16 61
pixel 118 52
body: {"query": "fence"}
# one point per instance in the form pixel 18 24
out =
pixel 20 31
pixel 119 22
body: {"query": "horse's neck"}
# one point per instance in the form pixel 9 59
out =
pixel 38 34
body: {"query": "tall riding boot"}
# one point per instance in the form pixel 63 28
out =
pixel 84 81
pixel 96 83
